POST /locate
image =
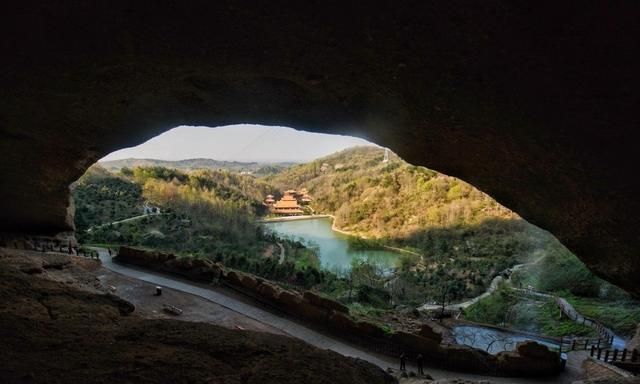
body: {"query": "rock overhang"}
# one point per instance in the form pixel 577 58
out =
pixel 530 103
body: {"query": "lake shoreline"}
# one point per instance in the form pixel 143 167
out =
pixel 334 228
pixel 311 217
pixel 293 218
pixel 334 245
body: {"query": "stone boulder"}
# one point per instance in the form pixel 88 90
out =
pixel 366 328
pixel 234 278
pixel 462 357
pixel 531 359
pixel 535 350
pixel 208 272
pixel 249 282
pixel 415 343
pixel 193 268
pixel 323 302
pixel 268 291
pixel 341 322
pixel 428 332
pixel 312 312
pixel 143 257
pixel 289 300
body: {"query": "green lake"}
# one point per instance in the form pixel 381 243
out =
pixel 333 247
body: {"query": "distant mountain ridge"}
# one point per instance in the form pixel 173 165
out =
pixel 200 163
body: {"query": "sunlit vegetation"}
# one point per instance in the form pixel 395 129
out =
pixel 622 315
pixel 387 200
pixel 505 308
pixel 462 237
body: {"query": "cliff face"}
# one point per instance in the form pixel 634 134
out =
pixel 57 326
pixel 535 105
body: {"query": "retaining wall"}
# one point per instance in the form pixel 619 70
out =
pixel 530 359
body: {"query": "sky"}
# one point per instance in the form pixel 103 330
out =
pixel 243 142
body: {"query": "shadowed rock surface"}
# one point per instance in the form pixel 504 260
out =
pixel 56 326
pixel 533 103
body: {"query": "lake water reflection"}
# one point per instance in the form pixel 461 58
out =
pixel 333 247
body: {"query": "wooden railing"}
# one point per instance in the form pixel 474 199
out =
pixel 584 343
pixel 606 336
pixel 628 360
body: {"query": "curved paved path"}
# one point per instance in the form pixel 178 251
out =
pixel 492 287
pixel 134 218
pixel 300 331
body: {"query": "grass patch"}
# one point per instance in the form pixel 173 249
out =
pixel 503 308
pixel 545 318
pixel 492 309
pixel 621 316
pixel 370 314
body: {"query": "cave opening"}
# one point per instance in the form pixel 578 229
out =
pixel 382 235
pixel 532 104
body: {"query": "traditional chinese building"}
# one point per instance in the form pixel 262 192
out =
pixel 288 205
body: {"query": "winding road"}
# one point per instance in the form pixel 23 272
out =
pixel 299 331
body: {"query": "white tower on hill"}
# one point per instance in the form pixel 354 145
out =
pixel 386 155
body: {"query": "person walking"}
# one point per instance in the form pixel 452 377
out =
pixel 420 361
pixel 403 361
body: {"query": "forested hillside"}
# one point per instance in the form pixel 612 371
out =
pixel 102 197
pixel 464 236
pixel 203 211
pixel 387 199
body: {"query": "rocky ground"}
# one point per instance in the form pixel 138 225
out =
pixel 141 294
pixel 58 324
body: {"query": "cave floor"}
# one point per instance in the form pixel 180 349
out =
pixel 58 324
pixel 195 308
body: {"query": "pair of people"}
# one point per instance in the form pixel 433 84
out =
pixel 419 362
